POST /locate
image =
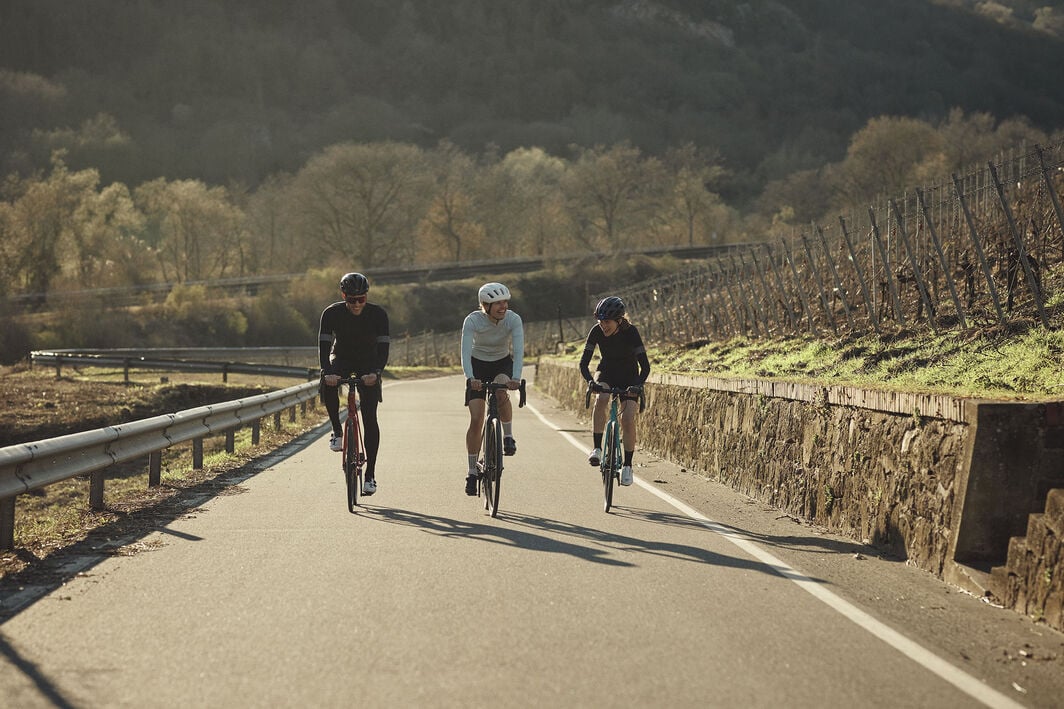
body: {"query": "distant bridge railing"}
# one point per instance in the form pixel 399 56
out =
pixel 175 360
pixel 254 284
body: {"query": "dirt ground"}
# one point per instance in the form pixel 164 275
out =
pixel 35 404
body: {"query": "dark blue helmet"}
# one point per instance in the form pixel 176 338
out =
pixel 610 308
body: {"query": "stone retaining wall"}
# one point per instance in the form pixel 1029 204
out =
pixel 1032 579
pixel 887 479
pixel 940 481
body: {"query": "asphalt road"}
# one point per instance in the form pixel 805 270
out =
pixel 687 594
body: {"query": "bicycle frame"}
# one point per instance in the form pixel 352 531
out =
pixel 490 464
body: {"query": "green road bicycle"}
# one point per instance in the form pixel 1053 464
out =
pixel 612 445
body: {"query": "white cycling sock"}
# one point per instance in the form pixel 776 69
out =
pixel 472 461
pixel 508 429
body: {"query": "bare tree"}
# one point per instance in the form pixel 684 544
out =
pixel 107 250
pixel 612 194
pixel 692 172
pixel 42 218
pixel 533 204
pixel 363 201
pixel 197 229
pixel 451 217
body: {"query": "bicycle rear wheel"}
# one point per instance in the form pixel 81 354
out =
pixel 610 450
pixel 492 476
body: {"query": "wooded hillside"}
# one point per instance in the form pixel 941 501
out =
pixel 236 90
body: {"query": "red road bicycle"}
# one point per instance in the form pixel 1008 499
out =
pixel 353 458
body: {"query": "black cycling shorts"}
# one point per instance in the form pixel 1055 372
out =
pixel 487 371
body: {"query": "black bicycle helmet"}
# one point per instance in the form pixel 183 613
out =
pixel 354 284
pixel 610 308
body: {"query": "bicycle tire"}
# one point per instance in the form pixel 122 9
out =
pixel 486 465
pixel 489 478
pixel 609 464
pixel 497 475
pixel 351 472
pixel 358 461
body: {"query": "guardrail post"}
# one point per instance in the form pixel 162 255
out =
pixel 303 409
pixel 96 490
pixel 197 453
pixel 225 372
pixel 230 440
pixel 7 523
pixel 256 426
pixel 277 421
pixel 292 414
pixel 155 468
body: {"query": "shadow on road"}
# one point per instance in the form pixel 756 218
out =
pixel 47 689
pixel 556 537
pixel 447 527
pixel 795 542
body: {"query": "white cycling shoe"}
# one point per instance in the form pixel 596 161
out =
pixel 595 457
pixel 626 475
pixel 369 487
pixel 336 443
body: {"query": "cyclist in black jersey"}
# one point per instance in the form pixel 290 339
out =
pixel 353 339
pixel 623 364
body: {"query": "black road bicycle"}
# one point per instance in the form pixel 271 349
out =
pixel 490 465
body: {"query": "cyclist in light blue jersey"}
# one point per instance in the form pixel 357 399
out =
pixel 493 344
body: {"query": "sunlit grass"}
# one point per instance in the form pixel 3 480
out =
pixel 1029 365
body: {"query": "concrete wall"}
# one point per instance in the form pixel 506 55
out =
pixel 940 481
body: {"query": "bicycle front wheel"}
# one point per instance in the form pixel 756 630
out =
pixel 351 465
pixel 492 477
pixel 610 459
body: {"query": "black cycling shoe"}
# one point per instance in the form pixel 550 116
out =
pixel 509 445
pixel 471 485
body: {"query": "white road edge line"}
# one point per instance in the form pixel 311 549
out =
pixel 917 653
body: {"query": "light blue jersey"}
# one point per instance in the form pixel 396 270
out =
pixel 489 341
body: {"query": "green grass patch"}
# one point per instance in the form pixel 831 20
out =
pixel 982 364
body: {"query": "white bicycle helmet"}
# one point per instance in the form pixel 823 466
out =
pixel 493 293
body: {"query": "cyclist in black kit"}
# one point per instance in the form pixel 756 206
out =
pixel 623 364
pixel 353 339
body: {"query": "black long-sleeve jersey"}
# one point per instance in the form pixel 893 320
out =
pixel 624 359
pixel 361 341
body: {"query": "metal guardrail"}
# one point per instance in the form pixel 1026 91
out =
pixel 115 358
pixel 30 466
pixel 288 355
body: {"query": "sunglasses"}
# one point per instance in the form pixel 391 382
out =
pixel 355 299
